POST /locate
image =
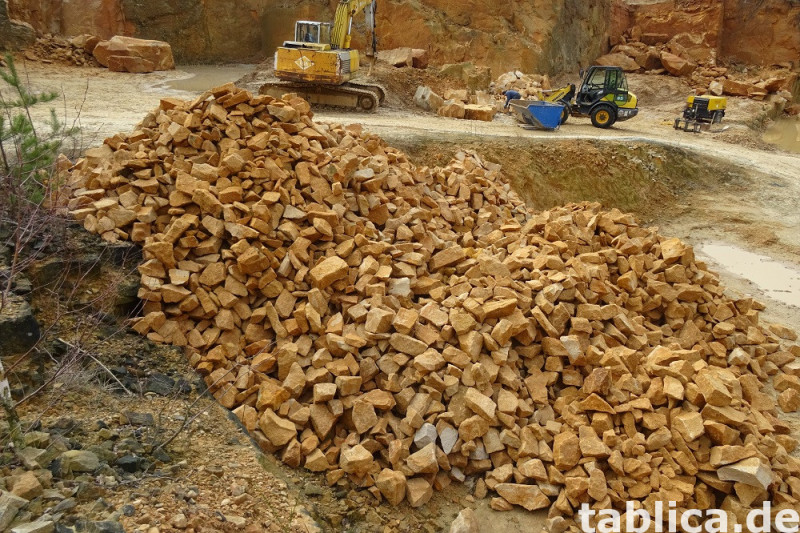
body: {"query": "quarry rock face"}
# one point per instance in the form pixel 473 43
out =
pixel 762 34
pixel 535 36
pixel 13 33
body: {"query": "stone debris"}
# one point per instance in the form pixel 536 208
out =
pixel 55 49
pixel 693 56
pixel 529 86
pixel 458 104
pixel 119 54
pixel 465 522
pixel 342 301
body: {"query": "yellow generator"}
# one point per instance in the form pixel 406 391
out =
pixel 701 110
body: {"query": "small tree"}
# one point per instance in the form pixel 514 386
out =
pixel 28 216
pixel 27 182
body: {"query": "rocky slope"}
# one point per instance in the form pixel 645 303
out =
pixel 533 36
pixel 756 33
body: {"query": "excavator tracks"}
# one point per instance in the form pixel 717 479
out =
pixel 353 95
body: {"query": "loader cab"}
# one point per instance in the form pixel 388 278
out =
pixel 604 96
pixel 599 82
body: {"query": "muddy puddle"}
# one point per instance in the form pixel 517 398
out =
pixel 198 78
pixel 776 280
pixel 785 133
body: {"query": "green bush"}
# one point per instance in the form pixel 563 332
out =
pixel 27 154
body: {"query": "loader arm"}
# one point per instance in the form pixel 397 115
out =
pixel 343 23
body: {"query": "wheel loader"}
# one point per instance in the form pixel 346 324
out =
pixel 603 96
pixel 320 66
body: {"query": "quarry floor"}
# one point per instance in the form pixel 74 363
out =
pixel 735 198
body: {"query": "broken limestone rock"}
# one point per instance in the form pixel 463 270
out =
pixel 452 109
pixel 751 472
pixel 465 522
pixel 677 66
pixel 438 298
pixel 427 99
pixel 397 57
pixel 140 54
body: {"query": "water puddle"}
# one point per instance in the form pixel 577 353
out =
pixel 777 280
pixel 199 78
pixel 784 133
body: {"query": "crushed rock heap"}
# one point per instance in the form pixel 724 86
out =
pixel 408 327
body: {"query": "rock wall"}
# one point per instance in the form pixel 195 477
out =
pixel 104 18
pixel 544 36
pixel 755 33
pixel 538 35
pixel 13 33
pixel 765 32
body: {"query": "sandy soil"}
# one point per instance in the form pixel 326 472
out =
pixel 760 215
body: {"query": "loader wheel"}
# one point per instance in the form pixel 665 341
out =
pixel 367 102
pixel 716 117
pixel 566 112
pixel 603 116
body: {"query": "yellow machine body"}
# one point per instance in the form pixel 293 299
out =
pixel 715 103
pixel 316 65
pixel 319 65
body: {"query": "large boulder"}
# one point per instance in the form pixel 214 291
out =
pixel 398 57
pixel 452 109
pixel 14 35
pixel 699 47
pixel 479 112
pixel 737 88
pixel 649 59
pixel 427 99
pixel 456 94
pixel 86 41
pixel 619 59
pixel 143 55
pixel 420 58
pixel 677 66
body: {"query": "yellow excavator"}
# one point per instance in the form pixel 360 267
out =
pixel 320 66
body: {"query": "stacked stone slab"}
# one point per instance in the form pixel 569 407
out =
pixel 406 327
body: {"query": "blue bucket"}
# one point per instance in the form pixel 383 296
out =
pixel 547 113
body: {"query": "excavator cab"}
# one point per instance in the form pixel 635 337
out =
pixel 308 31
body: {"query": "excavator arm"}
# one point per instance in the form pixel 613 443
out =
pixel 343 23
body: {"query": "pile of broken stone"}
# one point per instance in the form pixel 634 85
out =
pixel 406 328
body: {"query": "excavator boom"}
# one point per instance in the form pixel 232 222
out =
pixel 343 22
